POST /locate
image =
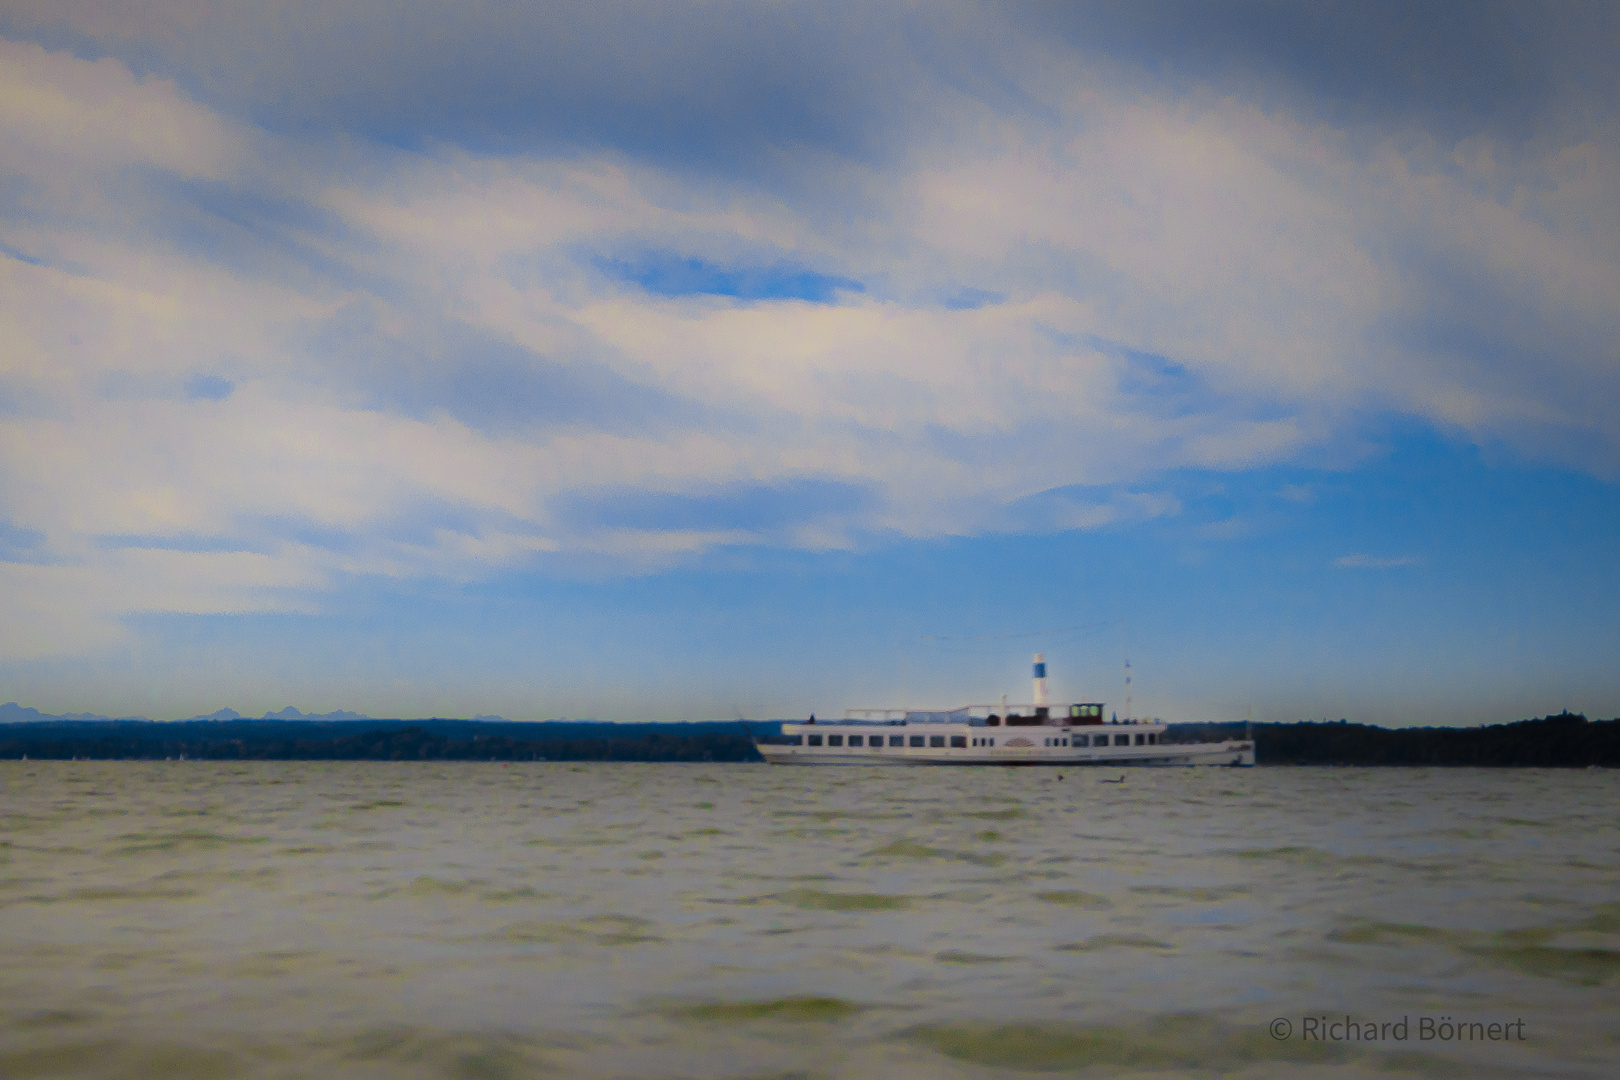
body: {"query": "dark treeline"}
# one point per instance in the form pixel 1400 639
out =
pixel 1567 740
pixel 382 740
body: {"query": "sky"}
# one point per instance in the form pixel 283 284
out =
pixel 740 359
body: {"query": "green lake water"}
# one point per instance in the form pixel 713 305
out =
pixel 401 920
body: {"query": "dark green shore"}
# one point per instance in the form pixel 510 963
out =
pixel 1566 741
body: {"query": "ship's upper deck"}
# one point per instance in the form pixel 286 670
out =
pixel 994 715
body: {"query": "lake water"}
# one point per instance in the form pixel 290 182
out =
pixel 371 919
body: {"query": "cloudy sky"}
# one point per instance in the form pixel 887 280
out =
pixel 638 361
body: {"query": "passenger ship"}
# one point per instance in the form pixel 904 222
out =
pixel 1039 733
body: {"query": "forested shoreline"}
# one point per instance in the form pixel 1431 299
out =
pixel 1566 740
pixel 381 740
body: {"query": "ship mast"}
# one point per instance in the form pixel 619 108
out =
pixel 1125 637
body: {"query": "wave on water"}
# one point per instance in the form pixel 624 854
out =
pixel 1073 898
pixel 906 848
pixel 817 900
pixel 795 1009
pixel 957 956
pixel 123 1058
pixel 1161 1043
pixel 1582 951
pixel 1113 941
pixel 1198 894
pixel 607 930
pixel 182 842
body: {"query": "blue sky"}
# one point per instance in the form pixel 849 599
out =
pixel 599 360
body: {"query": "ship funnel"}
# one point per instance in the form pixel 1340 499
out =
pixel 1040 679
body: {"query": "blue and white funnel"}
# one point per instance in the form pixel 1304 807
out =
pixel 1040 679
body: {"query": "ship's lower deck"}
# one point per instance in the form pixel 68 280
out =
pixel 1040 746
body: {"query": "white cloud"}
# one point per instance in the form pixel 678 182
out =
pixel 1375 562
pixel 77 607
pixel 56 111
pixel 1170 281
pixel 1304 494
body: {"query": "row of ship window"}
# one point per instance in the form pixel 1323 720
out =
pixel 1149 738
pixel 961 741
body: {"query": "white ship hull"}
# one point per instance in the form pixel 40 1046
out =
pixel 978 750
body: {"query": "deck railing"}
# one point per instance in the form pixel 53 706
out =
pixel 1057 711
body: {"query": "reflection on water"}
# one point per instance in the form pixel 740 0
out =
pixel 358 919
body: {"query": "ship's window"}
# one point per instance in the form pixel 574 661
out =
pixel 1153 738
pixel 1141 740
pixel 1065 742
pixel 959 741
pixel 992 721
pixel 815 740
pixel 918 740
pixel 936 740
pixel 897 740
pixel 992 742
pixel 857 740
pixel 1122 740
pixel 793 740
pixel 835 740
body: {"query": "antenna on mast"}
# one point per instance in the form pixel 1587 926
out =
pixel 1125 638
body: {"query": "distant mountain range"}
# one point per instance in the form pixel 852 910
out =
pixel 12 713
